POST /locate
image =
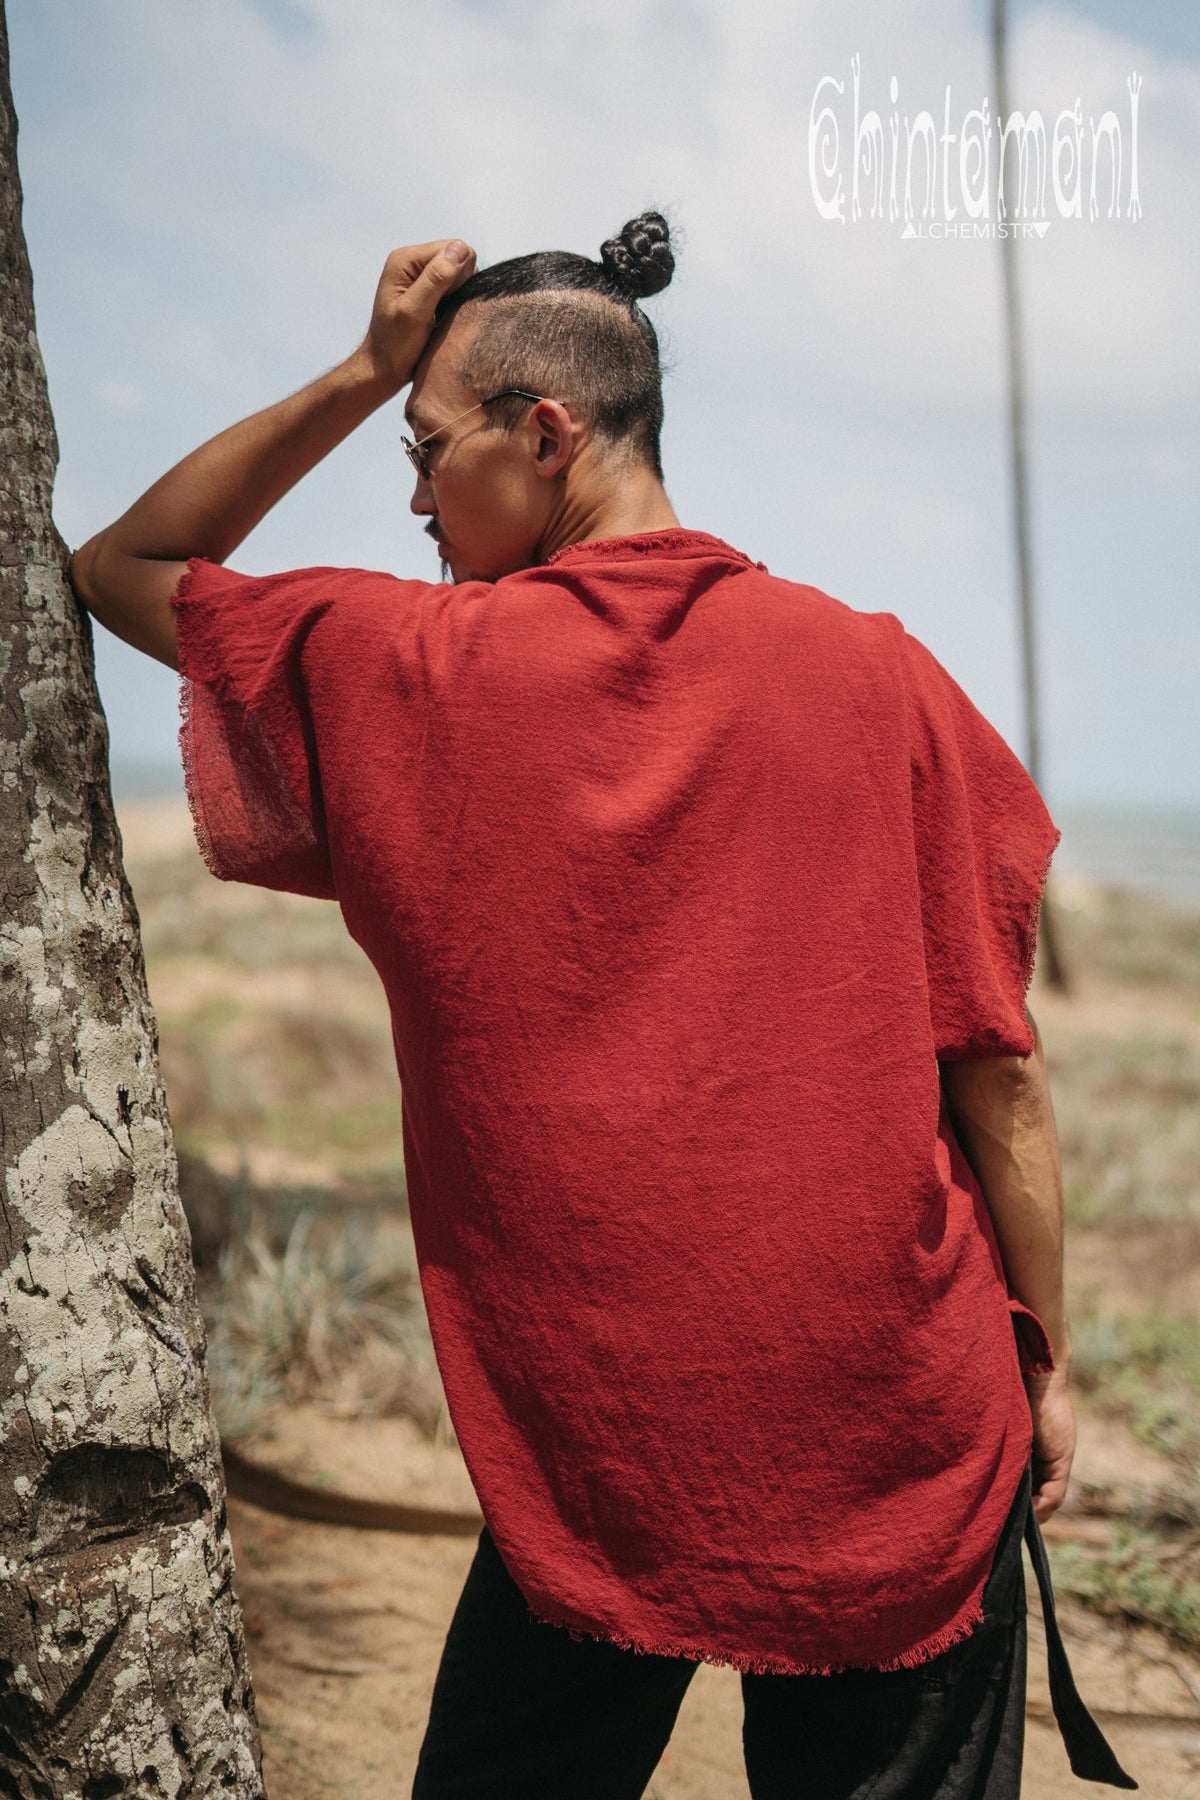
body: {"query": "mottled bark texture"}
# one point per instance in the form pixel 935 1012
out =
pixel 122 1662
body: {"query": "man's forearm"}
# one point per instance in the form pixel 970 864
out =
pixel 1004 1121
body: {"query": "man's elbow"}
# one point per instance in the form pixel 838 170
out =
pixel 91 574
pixel 998 1084
pixel 130 596
pixel 79 574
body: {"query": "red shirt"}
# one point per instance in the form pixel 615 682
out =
pixel 681 878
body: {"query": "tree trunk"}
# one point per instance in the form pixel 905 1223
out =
pixel 122 1662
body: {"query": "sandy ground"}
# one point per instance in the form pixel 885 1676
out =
pixel 345 1630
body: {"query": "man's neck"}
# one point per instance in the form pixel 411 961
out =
pixel 636 501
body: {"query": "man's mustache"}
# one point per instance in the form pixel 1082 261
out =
pixel 433 530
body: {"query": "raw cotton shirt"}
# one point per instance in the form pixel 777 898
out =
pixel 680 878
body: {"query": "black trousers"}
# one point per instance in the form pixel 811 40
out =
pixel 523 1711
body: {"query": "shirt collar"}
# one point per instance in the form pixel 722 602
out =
pixel 673 542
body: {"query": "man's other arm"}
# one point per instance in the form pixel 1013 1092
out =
pixel 127 574
pixel 1004 1120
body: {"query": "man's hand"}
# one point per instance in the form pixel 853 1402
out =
pixel 1053 1440
pixel 127 574
pixel 414 280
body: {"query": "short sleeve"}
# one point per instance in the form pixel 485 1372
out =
pixel 984 841
pixel 249 747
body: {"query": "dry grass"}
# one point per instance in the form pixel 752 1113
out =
pixel 1130 939
pixel 275 1037
pixel 332 1315
pixel 1124 1056
pixel 1129 1124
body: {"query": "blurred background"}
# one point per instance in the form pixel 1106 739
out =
pixel 210 194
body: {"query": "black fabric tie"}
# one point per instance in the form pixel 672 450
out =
pixel 1088 1750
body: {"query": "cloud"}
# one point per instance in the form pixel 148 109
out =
pixel 282 168
pixel 212 192
pixel 121 396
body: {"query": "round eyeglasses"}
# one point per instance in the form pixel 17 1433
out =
pixel 417 454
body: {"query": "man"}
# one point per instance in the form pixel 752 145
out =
pixel 706 909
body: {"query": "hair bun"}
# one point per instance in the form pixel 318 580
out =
pixel 639 260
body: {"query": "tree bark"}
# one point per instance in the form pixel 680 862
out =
pixel 122 1662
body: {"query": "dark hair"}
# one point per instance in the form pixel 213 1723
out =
pixel 560 325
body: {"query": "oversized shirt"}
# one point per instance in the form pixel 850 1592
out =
pixel 681 879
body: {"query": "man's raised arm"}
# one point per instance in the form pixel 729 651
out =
pixel 204 506
pixel 1004 1121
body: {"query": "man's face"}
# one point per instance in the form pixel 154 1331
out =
pixel 486 506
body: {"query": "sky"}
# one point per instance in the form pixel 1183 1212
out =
pixel 210 193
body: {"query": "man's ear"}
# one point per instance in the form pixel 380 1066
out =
pixel 555 437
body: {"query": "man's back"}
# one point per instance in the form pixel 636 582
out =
pixel 679 892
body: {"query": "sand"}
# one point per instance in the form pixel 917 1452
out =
pixel 345 1629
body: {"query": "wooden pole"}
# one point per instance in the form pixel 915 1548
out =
pixel 1053 964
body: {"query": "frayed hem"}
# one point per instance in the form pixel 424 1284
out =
pixel 187 750
pixel 924 1652
pixel 1032 916
pixel 191 783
